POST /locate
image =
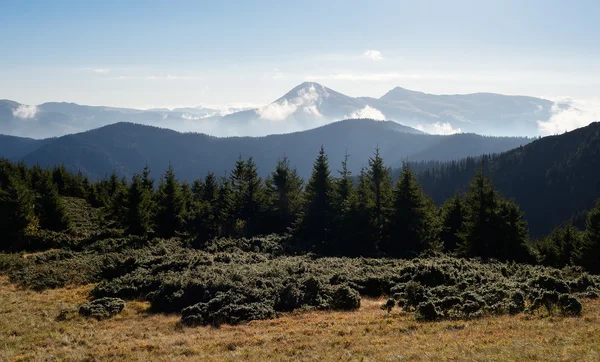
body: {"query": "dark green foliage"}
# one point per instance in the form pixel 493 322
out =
pixel 388 305
pixel 426 312
pixel 413 227
pixel 452 218
pixel 228 308
pixel 317 218
pixel 50 207
pixel 140 206
pixel 102 308
pixel 587 253
pixel 17 217
pixel 345 298
pixel 170 205
pixel 493 226
pixel 284 187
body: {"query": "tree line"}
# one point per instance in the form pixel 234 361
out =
pixel 331 213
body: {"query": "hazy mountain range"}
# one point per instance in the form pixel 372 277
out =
pixel 307 106
pixel 127 148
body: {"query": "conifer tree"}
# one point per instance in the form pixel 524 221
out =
pixel 493 226
pixel 316 222
pixel 210 188
pixel 140 218
pixel 344 203
pixel 587 253
pixel 222 209
pixel 171 205
pixel 412 227
pixel 452 217
pixel 117 207
pixel 60 178
pixel 17 217
pixel 381 189
pixel 284 188
pixel 51 211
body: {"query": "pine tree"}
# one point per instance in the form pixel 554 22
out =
pixel 587 253
pixel 493 226
pixel 381 189
pixel 412 227
pixel 222 208
pixel 477 234
pixel 171 205
pixel 140 208
pixel 317 217
pixel 210 188
pixel 60 178
pixel 17 217
pixel 452 217
pixel 117 207
pixel 284 188
pixel 50 208
pixel 344 208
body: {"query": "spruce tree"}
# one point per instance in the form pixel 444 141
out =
pixel 210 188
pixel 478 234
pixel 493 226
pixel 412 227
pixel 140 208
pixel 117 207
pixel 587 253
pixel 317 217
pixel 452 217
pixel 381 190
pixel 344 200
pixel 17 217
pixel 284 188
pixel 170 205
pixel 50 208
pixel 60 178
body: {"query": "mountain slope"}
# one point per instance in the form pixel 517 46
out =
pixel 552 178
pixel 127 148
pixel 306 106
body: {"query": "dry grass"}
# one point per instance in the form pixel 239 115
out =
pixel 29 331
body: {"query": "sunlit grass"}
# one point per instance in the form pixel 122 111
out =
pixel 29 331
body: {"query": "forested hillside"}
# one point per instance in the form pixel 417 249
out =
pixel 552 179
pixel 127 148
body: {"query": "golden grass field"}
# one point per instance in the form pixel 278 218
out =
pixel 29 331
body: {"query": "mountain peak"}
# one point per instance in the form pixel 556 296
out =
pixel 399 92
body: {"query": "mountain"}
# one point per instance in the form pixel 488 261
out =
pixel 558 173
pixel 127 148
pixel 15 148
pixel 308 105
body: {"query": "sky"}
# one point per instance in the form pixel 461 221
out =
pixel 144 54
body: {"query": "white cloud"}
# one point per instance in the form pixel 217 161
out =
pixel 307 100
pixel 101 70
pixel 438 128
pixel 373 54
pixel 569 114
pixel 24 111
pixel 367 112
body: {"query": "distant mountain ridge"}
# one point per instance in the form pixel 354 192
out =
pixel 127 148
pixel 552 179
pixel 306 106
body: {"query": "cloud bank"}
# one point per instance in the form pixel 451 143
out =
pixel 438 128
pixel 24 111
pixel 569 114
pixel 368 112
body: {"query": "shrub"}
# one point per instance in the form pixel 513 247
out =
pixel 389 305
pixel 569 305
pixel 427 312
pixel 102 308
pixel 345 298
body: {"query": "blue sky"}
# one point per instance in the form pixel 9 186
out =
pixel 157 53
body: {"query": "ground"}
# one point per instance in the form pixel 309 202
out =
pixel 29 331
